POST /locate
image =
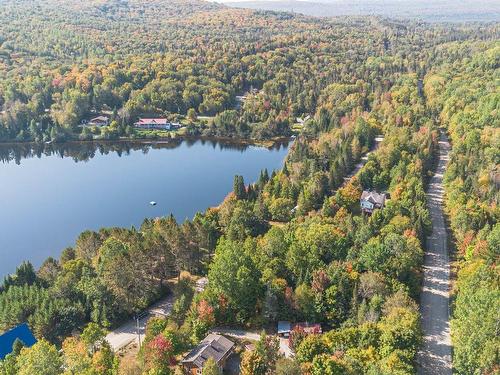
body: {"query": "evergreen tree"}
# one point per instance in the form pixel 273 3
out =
pixel 239 188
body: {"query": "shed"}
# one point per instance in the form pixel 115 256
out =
pixel 284 328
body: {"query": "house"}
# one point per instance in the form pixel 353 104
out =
pixel 213 346
pixel 99 121
pixel 22 333
pixel 153 123
pixel 302 121
pixel 284 329
pixel 308 328
pixel 371 200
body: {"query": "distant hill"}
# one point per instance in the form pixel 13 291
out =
pixel 428 10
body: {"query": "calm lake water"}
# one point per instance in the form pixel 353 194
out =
pixel 49 194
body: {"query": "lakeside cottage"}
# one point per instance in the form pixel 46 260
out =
pixel 371 200
pixel 99 121
pixel 153 123
pixel 156 123
pixel 213 346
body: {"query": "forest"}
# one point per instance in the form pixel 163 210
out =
pixel 63 62
pixel 293 245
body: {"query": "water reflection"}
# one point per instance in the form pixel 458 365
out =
pixel 51 193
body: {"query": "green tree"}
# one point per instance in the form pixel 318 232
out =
pixel 41 359
pixel 262 359
pixel 324 364
pixel 93 335
pixel 239 188
pixel 191 114
pixel 476 346
pixel 210 367
pixel 309 348
pixel 234 275
pixel 287 366
pixel 9 365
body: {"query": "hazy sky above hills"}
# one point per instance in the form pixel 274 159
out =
pixel 429 10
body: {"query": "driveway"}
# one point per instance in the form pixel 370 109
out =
pixel 436 354
pixel 363 160
pixel 252 336
pixel 129 332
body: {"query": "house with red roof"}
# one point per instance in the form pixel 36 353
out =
pixel 153 123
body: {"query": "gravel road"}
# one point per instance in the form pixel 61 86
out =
pixel 435 356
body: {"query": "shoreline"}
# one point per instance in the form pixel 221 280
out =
pixel 126 142
pixel 267 143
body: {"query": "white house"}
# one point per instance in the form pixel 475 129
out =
pixel 99 121
pixel 371 200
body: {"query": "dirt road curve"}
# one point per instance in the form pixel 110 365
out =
pixel 128 332
pixel 435 355
pixel 377 141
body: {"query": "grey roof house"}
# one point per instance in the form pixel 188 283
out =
pixel 213 346
pixel 371 200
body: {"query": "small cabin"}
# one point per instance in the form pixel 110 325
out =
pixel 372 200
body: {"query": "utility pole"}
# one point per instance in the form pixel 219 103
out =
pixel 138 318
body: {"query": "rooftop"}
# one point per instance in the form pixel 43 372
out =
pixel 158 121
pixel 213 346
pixel 99 118
pixel 373 197
pixel 284 327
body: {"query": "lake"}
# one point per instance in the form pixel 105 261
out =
pixel 50 194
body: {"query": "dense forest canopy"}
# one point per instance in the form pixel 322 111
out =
pixel 62 61
pixel 294 245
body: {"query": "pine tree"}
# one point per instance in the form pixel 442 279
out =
pixel 239 187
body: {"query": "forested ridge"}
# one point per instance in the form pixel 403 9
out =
pixel 292 245
pixel 62 61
